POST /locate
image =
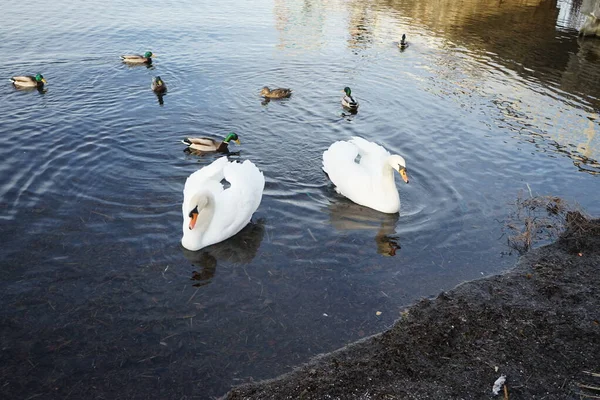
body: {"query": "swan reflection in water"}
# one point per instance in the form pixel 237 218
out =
pixel 347 216
pixel 239 249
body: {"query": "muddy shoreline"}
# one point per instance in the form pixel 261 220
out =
pixel 538 324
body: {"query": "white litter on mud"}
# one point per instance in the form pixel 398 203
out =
pixel 498 384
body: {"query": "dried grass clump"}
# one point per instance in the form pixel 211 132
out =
pixel 538 220
pixel 582 234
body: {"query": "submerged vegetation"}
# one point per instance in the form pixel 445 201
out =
pixel 537 220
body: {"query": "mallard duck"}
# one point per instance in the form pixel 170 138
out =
pixel 28 81
pixel 138 58
pixel 209 145
pixel 211 213
pixel 278 93
pixel 370 181
pixel 158 85
pixel 348 101
pixel 403 43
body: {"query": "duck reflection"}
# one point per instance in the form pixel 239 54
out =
pixel 348 115
pixel 264 101
pixel 347 216
pixel 140 65
pixel 360 25
pixel 39 89
pixel 239 249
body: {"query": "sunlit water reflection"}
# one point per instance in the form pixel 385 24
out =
pixel 98 297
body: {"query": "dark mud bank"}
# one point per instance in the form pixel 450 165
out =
pixel 538 324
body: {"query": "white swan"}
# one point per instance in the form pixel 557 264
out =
pixel 211 213
pixel 370 181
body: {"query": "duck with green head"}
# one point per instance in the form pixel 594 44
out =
pixel 208 145
pixel 158 85
pixel 28 81
pixel 348 101
pixel 138 58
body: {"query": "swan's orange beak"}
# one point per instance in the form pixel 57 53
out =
pixel 404 175
pixel 194 218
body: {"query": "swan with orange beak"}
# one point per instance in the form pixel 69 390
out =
pixel 368 181
pixel 212 213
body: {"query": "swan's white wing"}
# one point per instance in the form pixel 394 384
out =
pixel 339 154
pixel 364 182
pixel 351 179
pixel 208 177
pixel 212 172
pixel 248 181
pixel 236 204
pixel 366 148
pixel 372 155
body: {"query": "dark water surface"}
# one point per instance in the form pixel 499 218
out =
pixel 99 300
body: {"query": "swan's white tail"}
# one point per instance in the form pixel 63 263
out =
pixel 338 153
pixel 213 171
pixel 365 147
pixel 245 173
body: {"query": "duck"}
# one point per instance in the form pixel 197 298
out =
pixel 403 44
pixel 211 213
pixel 370 181
pixel 138 58
pixel 348 101
pixel 158 85
pixel 278 93
pixel 29 81
pixel 209 145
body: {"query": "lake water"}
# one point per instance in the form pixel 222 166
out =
pixel 99 300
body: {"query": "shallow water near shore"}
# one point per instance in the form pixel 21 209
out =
pixel 97 294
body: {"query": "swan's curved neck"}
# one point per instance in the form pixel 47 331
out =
pixel 387 175
pixel 205 202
